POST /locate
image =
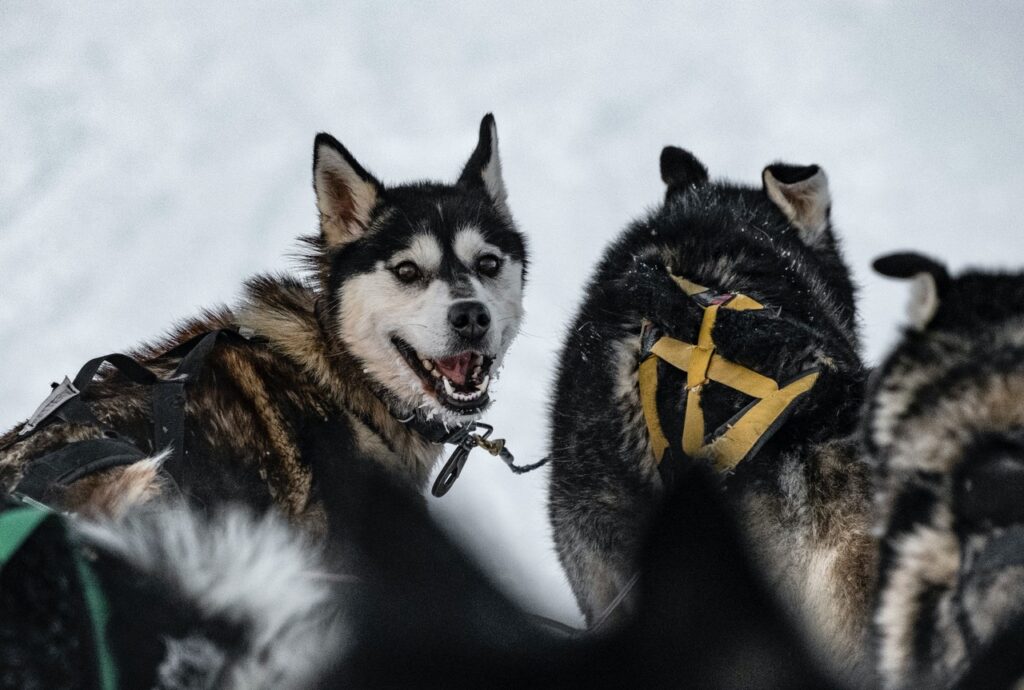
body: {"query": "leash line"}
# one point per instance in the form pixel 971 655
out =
pixel 615 603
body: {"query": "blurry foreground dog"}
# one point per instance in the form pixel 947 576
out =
pixel 945 430
pixel 388 347
pixel 719 329
pixel 174 601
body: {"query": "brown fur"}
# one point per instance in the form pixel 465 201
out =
pixel 247 409
pixel 814 529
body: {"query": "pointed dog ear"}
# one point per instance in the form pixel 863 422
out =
pixel 345 193
pixel 680 170
pixel 930 281
pixel 801 193
pixel 483 169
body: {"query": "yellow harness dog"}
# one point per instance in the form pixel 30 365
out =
pixel 749 430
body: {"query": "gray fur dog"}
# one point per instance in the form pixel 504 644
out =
pixel 766 262
pixel 944 428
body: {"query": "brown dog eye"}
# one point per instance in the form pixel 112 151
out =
pixel 407 272
pixel 488 265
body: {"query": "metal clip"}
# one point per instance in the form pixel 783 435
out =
pixel 453 468
pixel 467 441
pixel 493 447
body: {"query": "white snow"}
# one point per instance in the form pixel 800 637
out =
pixel 154 155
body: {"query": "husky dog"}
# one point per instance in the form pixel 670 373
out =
pixel 229 601
pixel 944 427
pixel 391 341
pixel 803 496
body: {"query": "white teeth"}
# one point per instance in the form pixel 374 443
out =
pixel 482 386
pixel 427 364
pixel 465 397
pixel 476 373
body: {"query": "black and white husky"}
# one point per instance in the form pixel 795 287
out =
pixel 803 495
pixel 944 427
pixel 391 340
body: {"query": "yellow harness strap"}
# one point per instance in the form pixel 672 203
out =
pixel 702 365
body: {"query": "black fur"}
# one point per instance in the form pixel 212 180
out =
pixel 427 618
pixel 729 238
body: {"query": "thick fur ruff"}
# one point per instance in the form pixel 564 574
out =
pixel 230 601
pixel 943 428
pixel 803 498
pixel 261 614
pixel 341 358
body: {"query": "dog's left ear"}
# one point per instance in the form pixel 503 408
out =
pixel 345 193
pixel 801 193
pixel 483 169
pixel 680 170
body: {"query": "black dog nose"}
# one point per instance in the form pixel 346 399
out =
pixel 469 319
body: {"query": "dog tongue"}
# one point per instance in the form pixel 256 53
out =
pixel 456 368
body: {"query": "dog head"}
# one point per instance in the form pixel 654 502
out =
pixel 956 375
pixel 424 281
pixel 944 429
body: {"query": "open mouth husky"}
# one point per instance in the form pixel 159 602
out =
pixel 430 301
pixel 393 343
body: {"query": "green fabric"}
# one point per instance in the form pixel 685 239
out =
pixel 99 615
pixel 17 525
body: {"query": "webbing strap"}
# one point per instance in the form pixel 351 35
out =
pixel 648 399
pixel 169 401
pixel 702 364
pixel 753 428
pixel 168 406
pixel 62 467
pixel 99 616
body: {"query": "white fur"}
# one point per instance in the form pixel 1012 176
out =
pixel 926 557
pixel 469 245
pixel 924 301
pixel 424 251
pixel 191 663
pixel 254 572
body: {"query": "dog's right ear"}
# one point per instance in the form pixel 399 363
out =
pixel 345 193
pixel 801 193
pixel 680 170
pixel 930 282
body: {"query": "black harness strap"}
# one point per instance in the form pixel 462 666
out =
pixel 169 400
pixel 69 463
pixel 64 466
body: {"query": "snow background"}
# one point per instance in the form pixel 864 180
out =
pixel 153 156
